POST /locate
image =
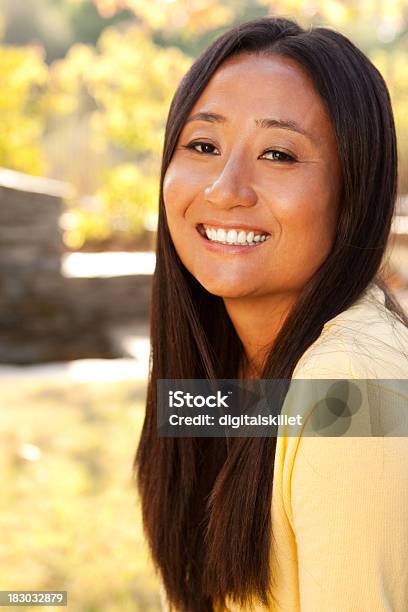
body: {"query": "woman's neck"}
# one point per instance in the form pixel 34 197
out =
pixel 257 321
pixel 248 371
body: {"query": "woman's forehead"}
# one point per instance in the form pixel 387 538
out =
pixel 250 87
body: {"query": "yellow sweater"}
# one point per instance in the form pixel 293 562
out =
pixel 340 504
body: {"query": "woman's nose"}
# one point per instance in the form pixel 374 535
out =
pixel 231 187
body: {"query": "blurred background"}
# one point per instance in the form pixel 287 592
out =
pixel 85 86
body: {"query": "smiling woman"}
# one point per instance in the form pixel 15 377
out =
pixel 277 193
pixel 276 175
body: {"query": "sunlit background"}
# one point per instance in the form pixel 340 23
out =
pixel 85 87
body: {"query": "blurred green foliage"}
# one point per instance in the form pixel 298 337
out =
pixel 96 117
pixel 56 24
pixel 122 89
pixel 23 79
pixel 69 513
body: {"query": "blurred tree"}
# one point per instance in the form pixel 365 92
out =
pixel 31 22
pixel 371 23
pixel 120 208
pixel 87 23
pixel 55 24
pixel 173 15
pixel 23 79
pixel 132 81
pixel 123 88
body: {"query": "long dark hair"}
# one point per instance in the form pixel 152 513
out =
pixel 206 501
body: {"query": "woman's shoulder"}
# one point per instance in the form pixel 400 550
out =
pixel 364 341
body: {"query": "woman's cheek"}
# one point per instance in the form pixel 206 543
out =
pixel 169 189
pixel 177 189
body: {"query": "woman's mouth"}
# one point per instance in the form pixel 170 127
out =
pixel 232 236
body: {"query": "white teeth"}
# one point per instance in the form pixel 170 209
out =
pixel 232 236
pixel 239 237
pixel 221 235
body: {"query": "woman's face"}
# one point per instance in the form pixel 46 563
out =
pixel 257 155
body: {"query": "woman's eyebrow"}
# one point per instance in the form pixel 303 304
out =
pixel 262 123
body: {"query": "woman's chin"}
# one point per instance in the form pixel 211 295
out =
pixel 227 290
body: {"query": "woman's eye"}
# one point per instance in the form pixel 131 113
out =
pixel 204 145
pixel 279 156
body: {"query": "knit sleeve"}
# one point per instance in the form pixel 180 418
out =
pixel 349 512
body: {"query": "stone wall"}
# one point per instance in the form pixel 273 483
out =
pixel 45 316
